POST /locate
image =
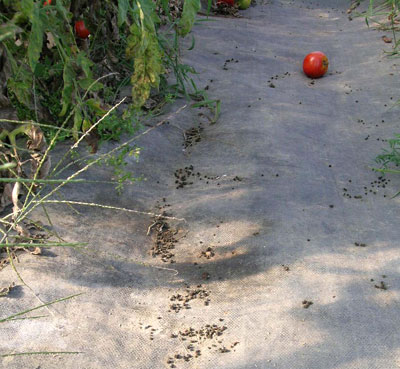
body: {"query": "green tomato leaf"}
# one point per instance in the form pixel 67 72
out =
pixel 144 47
pixel 86 83
pixel 133 41
pixel 193 43
pixel 190 9
pixel 63 11
pixel 22 91
pixel 86 125
pixel 35 38
pixel 9 4
pixel 123 7
pixel 8 30
pixel 94 105
pixel 41 71
pixel 68 77
pixel 27 8
pixel 77 124
pixel 85 63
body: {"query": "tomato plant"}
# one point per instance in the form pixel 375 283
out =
pixel 49 75
pixel 81 30
pixel 53 76
pixel 315 64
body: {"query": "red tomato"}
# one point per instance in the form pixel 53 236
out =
pixel 315 64
pixel 47 2
pixel 81 30
pixel 227 2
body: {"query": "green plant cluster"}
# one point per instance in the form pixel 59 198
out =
pixel 57 77
pixel 385 15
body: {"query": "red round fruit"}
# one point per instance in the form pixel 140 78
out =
pixel 47 2
pixel 315 64
pixel 81 30
pixel 227 2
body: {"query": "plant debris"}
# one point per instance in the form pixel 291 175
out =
pixel 353 6
pixel 36 147
pixel 208 254
pixel 195 338
pixel 381 286
pixel 183 175
pixel 6 290
pixel 33 233
pixel 387 40
pixel 175 8
pixel 164 240
pixel 307 304
pixel 232 60
pixel 222 8
pixel 187 175
pixel 380 184
pixel 151 331
pixel 182 301
pixel 192 136
pixel 277 77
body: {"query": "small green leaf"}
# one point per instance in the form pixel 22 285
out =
pixel 35 38
pixel 77 124
pixel 86 83
pixel 27 8
pixel 41 71
pixel 86 125
pixel 7 31
pixel 133 41
pixel 62 10
pixel 68 77
pixel 21 90
pixel 165 6
pixel 21 86
pixel 193 43
pixel 85 63
pixel 94 105
pixel 123 7
pixel 190 9
pixel 9 3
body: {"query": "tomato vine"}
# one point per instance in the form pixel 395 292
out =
pixel 56 50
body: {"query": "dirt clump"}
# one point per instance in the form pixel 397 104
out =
pixel 182 301
pixel 164 241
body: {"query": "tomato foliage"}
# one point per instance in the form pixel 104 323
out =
pixel 59 75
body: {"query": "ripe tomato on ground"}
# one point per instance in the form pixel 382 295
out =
pixel 81 30
pixel 227 2
pixel 315 64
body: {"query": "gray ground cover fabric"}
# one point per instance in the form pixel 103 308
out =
pixel 274 212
